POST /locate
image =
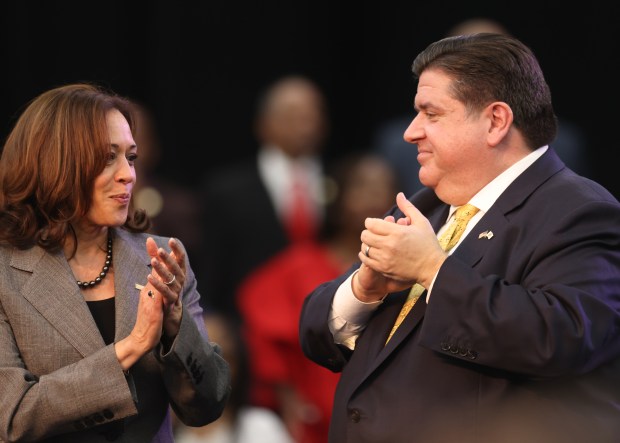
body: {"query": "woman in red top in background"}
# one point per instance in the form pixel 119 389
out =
pixel 270 299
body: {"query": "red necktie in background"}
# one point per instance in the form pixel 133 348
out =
pixel 300 222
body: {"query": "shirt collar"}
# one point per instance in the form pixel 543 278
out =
pixel 485 198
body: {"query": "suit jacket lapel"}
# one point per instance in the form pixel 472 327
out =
pixel 131 265
pixel 371 345
pixel 493 225
pixel 437 216
pixel 52 290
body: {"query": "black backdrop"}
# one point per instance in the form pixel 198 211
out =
pixel 199 65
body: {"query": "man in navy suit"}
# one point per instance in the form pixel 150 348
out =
pixel 516 337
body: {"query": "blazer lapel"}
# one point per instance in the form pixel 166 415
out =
pixel 52 290
pixel 437 216
pixel 493 225
pixel 131 266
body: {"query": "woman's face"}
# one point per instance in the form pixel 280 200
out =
pixel 113 187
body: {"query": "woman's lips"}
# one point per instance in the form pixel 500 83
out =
pixel 122 198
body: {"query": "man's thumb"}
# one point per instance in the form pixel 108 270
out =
pixel 407 207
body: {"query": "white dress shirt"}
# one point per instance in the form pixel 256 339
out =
pixel 276 169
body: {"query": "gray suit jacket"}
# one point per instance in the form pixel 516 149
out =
pixel 58 379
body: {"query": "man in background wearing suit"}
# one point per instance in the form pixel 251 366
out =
pixel 256 207
pixel 515 336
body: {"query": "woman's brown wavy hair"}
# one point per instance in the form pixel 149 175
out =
pixel 49 163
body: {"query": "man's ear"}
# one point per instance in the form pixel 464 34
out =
pixel 500 120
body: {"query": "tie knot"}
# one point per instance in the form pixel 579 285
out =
pixel 453 233
pixel 465 212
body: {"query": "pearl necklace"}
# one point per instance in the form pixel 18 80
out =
pixel 104 271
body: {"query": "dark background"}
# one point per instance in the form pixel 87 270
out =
pixel 199 65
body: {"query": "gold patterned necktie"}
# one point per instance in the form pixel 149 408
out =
pixel 448 239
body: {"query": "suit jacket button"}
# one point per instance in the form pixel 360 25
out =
pixel 472 355
pixel 354 415
pixel 445 346
pixel 98 417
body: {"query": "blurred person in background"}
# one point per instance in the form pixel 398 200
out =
pixel 256 207
pixel 174 209
pixel 360 185
pixel 240 422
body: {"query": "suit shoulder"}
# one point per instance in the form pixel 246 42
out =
pixel 567 185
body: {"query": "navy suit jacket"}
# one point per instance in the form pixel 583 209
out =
pixel 519 342
pixel 242 230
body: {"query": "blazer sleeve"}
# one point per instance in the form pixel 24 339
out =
pixel 195 374
pixel 316 340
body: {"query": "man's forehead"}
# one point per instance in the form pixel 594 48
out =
pixel 434 79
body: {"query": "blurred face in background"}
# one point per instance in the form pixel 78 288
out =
pixel 294 118
pixel 370 191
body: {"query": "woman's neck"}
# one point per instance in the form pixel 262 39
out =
pixel 90 264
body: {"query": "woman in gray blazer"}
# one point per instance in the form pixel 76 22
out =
pixel 100 325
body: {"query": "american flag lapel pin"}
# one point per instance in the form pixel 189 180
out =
pixel 486 234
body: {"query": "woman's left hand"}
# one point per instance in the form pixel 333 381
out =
pixel 168 278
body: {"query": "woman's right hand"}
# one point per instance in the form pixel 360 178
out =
pixel 147 331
